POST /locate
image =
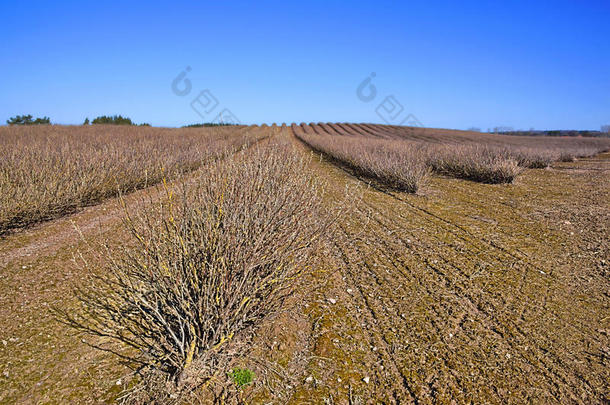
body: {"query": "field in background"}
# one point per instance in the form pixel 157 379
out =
pixel 399 156
pixel 48 171
pixel 465 291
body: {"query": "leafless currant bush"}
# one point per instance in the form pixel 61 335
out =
pixel 476 163
pixel 47 171
pixel 394 154
pixel 532 158
pixel 214 258
pixel 397 164
pixel 404 164
pixel 547 146
pixel 528 151
pixel 577 152
pixel 540 157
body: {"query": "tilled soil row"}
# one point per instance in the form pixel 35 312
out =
pixel 473 296
pixel 466 293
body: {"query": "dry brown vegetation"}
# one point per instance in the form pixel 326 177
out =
pixel 467 293
pixel 48 171
pixel 398 156
pixel 479 163
pixel 215 257
pixel 530 152
pixel 399 164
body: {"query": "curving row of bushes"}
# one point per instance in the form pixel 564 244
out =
pixel 49 171
pixel 402 159
pixel 400 165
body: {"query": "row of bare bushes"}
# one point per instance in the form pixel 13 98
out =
pixel 401 158
pixel 482 164
pixel 48 171
pixel 404 165
pixel 399 164
pixel 529 151
pixel 217 254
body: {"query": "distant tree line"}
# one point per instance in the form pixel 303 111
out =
pixel 103 119
pixel 560 132
pixel 113 120
pixel 28 120
pixel 500 130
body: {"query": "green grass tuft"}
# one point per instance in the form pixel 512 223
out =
pixel 242 376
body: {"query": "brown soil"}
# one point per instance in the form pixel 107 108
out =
pixel 467 292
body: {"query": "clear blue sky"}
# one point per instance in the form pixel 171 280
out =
pixel 541 64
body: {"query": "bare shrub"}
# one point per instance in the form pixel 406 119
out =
pixel 566 157
pixel 529 151
pixel 214 258
pixel 48 171
pixel 397 164
pixel 533 158
pixel 476 163
pixel 404 165
pixel 393 154
pixel 540 157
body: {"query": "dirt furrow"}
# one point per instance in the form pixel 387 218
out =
pixel 482 303
pixel 370 319
pixel 387 282
pixel 456 256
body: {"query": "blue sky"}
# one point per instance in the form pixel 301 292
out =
pixel 523 64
